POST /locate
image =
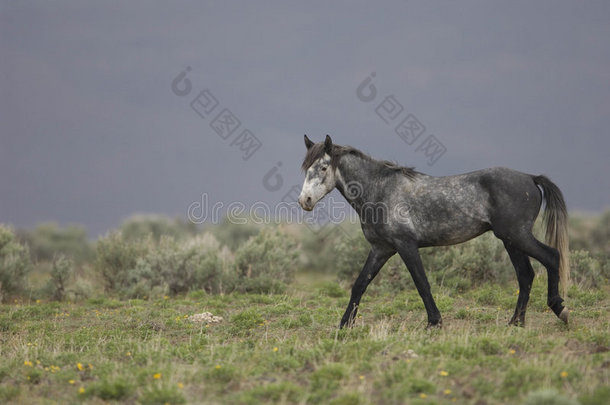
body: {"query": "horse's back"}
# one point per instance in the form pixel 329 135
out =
pixel 453 209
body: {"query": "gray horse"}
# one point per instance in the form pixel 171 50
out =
pixel 402 210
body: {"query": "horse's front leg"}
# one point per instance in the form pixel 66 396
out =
pixel 374 262
pixel 410 255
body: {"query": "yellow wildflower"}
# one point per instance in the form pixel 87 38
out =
pixel 563 374
pixel 81 390
pixel 71 382
pixel 443 373
pixel 275 349
pixel 157 376
pixel 79 366
pixel 447 391
pixel 218 366
pixel 512 351
pixel 180 385
pixel 423 396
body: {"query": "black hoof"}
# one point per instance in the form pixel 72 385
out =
pixel 556 304
pixel 516 322
pixel 435 324
pixel 346 324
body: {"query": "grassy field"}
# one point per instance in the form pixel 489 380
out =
pixel 286 349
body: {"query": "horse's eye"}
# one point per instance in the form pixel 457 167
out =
pixel 324 169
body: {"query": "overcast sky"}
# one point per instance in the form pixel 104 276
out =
pixel 92 131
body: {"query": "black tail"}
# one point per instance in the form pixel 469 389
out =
pixel 556 219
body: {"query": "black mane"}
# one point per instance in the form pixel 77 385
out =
pixel 317 151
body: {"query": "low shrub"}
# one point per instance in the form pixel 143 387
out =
pixel 587 271
pixel 212 264
pixel 270 256
pixel 156 226
pixel 117 258
pixel 234 233
pixel 15 264
pixel 48 240
pixel 138 268
pixel 143 268
pixel 61 272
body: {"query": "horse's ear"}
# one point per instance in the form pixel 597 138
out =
pixel 328 144
pixel 308 142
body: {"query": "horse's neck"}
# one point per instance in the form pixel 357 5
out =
pixel 356 179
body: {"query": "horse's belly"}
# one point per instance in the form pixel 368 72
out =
pixel 448 229
pixel 441 235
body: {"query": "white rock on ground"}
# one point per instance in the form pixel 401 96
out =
pixel 205 317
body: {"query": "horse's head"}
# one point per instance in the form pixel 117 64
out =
pixel 320 176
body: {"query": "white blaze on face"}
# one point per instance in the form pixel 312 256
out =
pixel 319 181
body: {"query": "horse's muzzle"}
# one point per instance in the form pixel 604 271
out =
pixel 305 203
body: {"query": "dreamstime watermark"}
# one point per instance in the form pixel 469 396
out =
pixel 406 126
pixel 260 212
pixel 327 211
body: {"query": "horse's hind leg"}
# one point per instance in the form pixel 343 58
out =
pixel 549 257
pixel 525 276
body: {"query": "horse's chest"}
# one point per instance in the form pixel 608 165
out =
pixel 374 234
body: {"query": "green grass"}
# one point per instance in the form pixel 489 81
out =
pixel 286 349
